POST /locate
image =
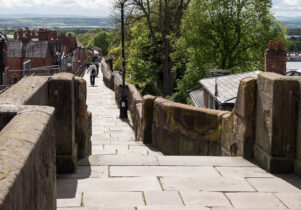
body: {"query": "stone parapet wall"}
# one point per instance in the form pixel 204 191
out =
pixel 27 159
pixel 264 125
pixel 179 129
pixel 45 128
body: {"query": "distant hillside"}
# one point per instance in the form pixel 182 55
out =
pixel 290 22
pixel 55 22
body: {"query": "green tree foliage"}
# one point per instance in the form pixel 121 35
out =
pixel 87 37
pixel 101 40
pixel 294 45
pixel 143 64
pixel 225 34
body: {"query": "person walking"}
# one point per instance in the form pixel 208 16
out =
pixel 97 68
pixel 92 70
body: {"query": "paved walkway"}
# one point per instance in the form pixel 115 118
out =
pixel 124 174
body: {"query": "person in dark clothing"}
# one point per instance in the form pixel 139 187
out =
pixel 97 68
pixel 92 70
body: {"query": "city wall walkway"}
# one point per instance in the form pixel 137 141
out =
pixel 123 174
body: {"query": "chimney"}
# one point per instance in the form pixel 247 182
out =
pixel 275 58
pixel 16 36
pixel 20 32
pixel 27 35
pixel 47 35
pixel 54 35
pixel 41 34
pixel 33 34
pixel 63 38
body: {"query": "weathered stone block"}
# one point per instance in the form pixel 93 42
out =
pixel 61 96
pixel 147 115
pixel 31 90
pixel 238 128
pixel 27 161
pixel 273 164
pixel 246 99
pixel 276 120
pixel 180 129
pixel 82 136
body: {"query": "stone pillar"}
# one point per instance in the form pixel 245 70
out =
pixel 83 137
pixel 61 97
pixel 238 128
pixel 147 114
pixel 275 58
pixel 276 122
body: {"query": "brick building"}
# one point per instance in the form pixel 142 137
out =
pixel 45 51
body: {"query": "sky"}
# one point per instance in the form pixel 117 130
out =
pixel 103 8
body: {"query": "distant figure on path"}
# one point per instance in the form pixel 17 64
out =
pixel 92 70
pixel 95 61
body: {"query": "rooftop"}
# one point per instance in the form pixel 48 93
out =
pixel 36 49
pixel 227 86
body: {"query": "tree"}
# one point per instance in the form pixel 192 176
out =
pixel 143 66
pixel 226 34
pixel 163 20
pixel 101 40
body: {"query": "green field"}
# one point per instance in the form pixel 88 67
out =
pixel 52 22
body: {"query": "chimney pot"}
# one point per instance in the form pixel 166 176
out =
pixel 280 45
pixel 271 44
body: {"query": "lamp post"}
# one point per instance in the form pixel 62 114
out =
pixel 123 99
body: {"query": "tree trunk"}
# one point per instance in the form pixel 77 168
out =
pixel 168 77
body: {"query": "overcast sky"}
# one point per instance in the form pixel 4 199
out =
pixel 103 8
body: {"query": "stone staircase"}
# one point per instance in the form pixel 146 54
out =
pixel 123 174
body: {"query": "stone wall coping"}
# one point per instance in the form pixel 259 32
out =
pixel 24 132
pixel 24 90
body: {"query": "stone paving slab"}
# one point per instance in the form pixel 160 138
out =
pixel 96 208
pixel 112 142
pixel 243 172
pixel 209 199
pixel 213 184
pixel 291 200
pixel 164 171
pixel 119 160
pixel 170 208
pixel 255 200
pixel 70 202
pixel 272 185
pixel 113 199
pixel 84 172
pixel 134 184
pixel 161 198
pixel 204 161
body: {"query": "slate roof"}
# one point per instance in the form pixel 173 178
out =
pixel 197 97
pixel 227 86
pixel 293 65
pixel 18 49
